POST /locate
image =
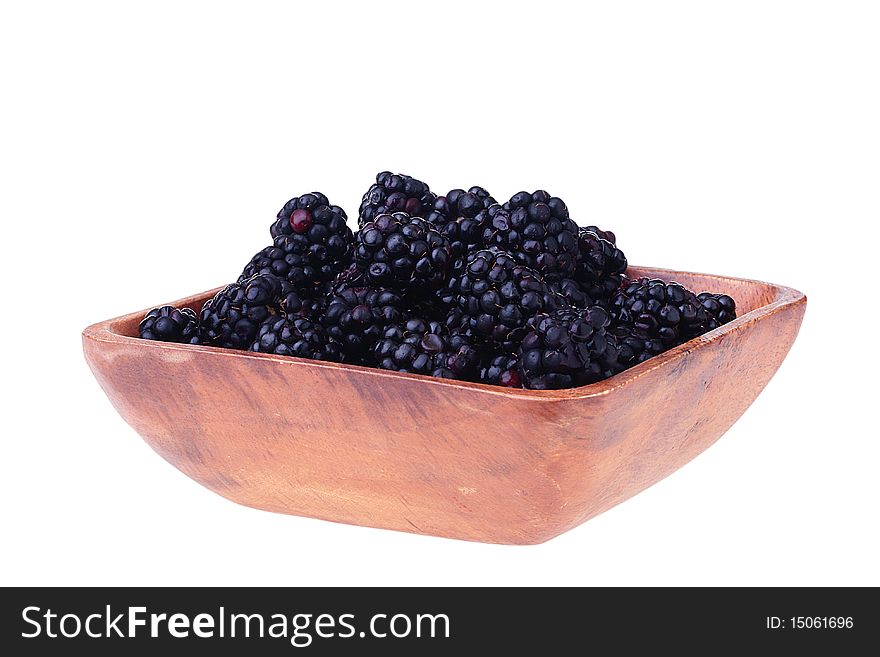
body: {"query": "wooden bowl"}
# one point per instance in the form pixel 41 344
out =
pixel 418 454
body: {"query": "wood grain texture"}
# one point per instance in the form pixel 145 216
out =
pixel 417 454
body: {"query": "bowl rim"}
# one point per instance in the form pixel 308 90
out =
pixel 105 332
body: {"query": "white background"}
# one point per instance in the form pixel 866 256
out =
pixel 145 151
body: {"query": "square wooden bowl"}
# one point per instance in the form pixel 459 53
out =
pixel 418 454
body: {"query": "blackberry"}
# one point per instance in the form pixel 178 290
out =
pixel 351 276
pixel 403 252
pixel 668 312
pixel 296 336
pixel 567 348
pixel 311 242
pixel 501 370
pixel 170 324
pixel 602 291
pixel 356 317
pixel 572 293
pixel 635 346
pixel 606 235
pixel 600 266
pixel 537 229
pixel 460 218
pixel 719 307
pixel 499 295
pixel 297 304
pixel 233 316
pixel 395 192
pixel 285 260
pixel 454 319
pixel 419 346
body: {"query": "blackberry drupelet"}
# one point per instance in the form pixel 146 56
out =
pixel 567 348
pixel 356 317
pixel 459 216
pixel 395 192
pixel 296 336
pixel 501 370
pixel 659 310
pixel 170 324
pixel 233 316
pixel 499 295
pixel 537 229
pixel 719 307
pixel 402 252
pixel 419 346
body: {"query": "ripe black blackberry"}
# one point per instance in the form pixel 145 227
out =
pixel 356 317
pixel 572 293
pixel 311 242
pixel 537 229
pixel 300 287
pixel 600 266
pixel 501 370
pixel 665 311
pixel 499 295
pixel 606 235
pixel 170 324
pixel 426 347
pixel 296 336
pixel 402 252
pixel 233 316
pixel 635 346
pixel 598 257
pixel 395 192
pixel 719 307
pixel 567 348
pixel 286 260
pixel 459 217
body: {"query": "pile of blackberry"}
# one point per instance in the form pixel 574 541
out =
pixel 459 286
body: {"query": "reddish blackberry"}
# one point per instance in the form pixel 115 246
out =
pixel 719 307
pixel 537 229
pixel 395 192
pixel 567 348
pixel 296 336
pixel 402 252
pixel 499 294
pixel 357 316
pixel 419 346
pixel 456 214
pixel 668 312
pixel 233 316
pixel 501 370
pixel 170 324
